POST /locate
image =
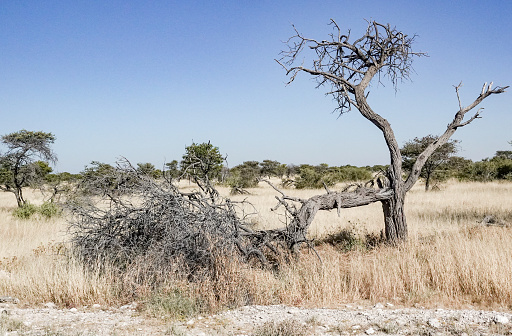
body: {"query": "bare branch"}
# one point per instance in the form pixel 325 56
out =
pixel 457 122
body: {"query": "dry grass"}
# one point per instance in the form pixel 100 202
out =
pixel 449 259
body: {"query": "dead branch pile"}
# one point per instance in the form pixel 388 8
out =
pixel 120 217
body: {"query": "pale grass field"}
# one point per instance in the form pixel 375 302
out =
pixel 449 260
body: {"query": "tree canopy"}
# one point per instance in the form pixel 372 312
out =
pixel 19 166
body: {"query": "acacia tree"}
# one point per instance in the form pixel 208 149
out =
pixel 348 65
pixel 413 148
pixel 18 165
pixel 202 163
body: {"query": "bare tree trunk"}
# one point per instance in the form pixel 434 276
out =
pixel 395 223
pixel 427 181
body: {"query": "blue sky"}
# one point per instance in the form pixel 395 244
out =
pixel 143 79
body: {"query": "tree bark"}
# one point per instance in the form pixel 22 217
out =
pixel 19 197
pixel 427 181
pixel 395 223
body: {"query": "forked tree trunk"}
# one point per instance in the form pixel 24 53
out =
pixel 19 197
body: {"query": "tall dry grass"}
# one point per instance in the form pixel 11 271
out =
pixel 449 260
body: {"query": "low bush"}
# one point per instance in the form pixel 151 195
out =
pixel 25 212
pixel 173 304
pixel 47 210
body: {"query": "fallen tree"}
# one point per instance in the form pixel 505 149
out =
pixel 121 218
pixel 349 66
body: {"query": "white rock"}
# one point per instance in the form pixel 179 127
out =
pixel 356 327
pixel 125 307
pixel 434 323
pixel 73 310
pixel 378 306
pixel 50 305
pixel 190 322
pixel 389 304
pixel 500 319
pixel 4 275
pixel 370 331
pixel 96 306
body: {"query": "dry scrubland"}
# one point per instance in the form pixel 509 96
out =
pixel 450 260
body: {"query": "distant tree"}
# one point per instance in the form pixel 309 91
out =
pixel 270 168
pixel 202 163
pixel 281 170
pixel 352 173
pixel 314 177
pixel 291 169
pixel 414 148
pixel 503 154
pixel 244 176
pixel 58 184
pixel 172 170
pixel 458 167
pixel 18 165
pixel 148 169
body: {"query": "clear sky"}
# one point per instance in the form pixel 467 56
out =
pixel 143 79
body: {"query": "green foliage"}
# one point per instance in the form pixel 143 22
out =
pixel 202 161
pixel 244 176
pixel 25 211
pixel 49 210
pixel 148 169
pixel 431 170
pixel 503 154
pixel 62 177
pixel 172 170
pixel 314 177
pixel 497 168
pixel 18 165
pixel 174 305
pixel 271 168
pixel 351 173
pixel 101 177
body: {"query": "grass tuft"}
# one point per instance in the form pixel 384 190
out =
pixel 284 328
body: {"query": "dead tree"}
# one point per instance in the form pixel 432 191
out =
pixel 349 66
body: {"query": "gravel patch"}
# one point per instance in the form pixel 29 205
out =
pixel 349 320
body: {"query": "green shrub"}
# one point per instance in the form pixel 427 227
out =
pixel 352 173
pixel 25 212
pixel 46 210
pixel 49 210
pixel 174 305
pixel 311 178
